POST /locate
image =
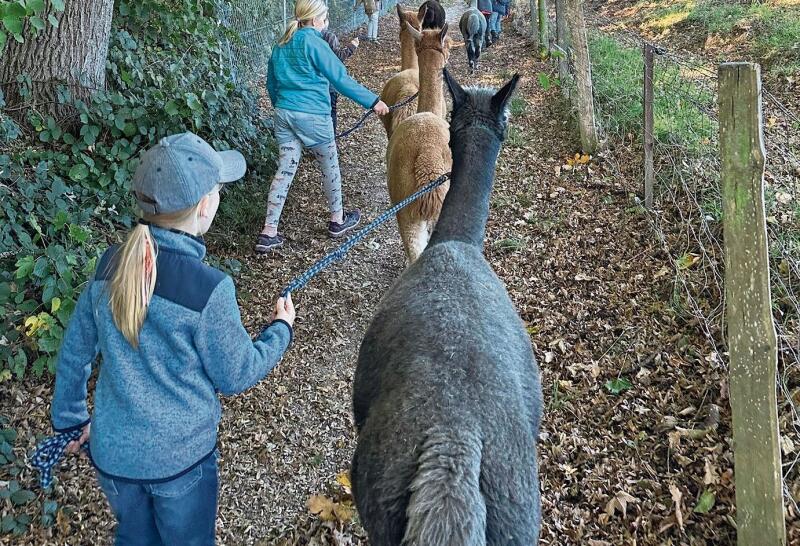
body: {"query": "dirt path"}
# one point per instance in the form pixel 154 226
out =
pixel 623 375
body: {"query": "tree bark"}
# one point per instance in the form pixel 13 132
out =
pixel 544 40
pixel 583 77
pixel 534 22
pixel 73 55
pixel 563 47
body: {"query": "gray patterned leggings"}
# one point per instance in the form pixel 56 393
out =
pixel 325 156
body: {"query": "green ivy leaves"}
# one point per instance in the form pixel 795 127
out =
pixel 14 14
pixel 71 195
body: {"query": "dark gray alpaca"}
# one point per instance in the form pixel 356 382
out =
pixel 447 394
pixel 434 15
pixel 473 30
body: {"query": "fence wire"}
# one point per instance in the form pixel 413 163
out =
pixel 687 214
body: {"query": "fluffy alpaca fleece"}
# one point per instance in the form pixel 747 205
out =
pixel 418 150
pixel 406 82
pixel 435 16
pixel 447 394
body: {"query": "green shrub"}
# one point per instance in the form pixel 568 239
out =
pixel 64 192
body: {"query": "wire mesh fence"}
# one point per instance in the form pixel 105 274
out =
pixel 687 213
pixel 255 25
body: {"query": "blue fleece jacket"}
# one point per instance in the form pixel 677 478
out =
pixel 156 408
pixel 300 71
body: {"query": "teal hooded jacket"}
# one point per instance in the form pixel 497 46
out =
pixel 300 72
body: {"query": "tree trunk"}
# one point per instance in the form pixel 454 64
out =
pixel 534 22
pixel 583 76
pixel 563 47
pixel 71 55
pixel 544 40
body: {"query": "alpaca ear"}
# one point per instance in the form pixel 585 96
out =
pixel 443 34
pixel 400 15
pixel 414 32
pixel 501 98
pixel 456 91
pixel 423 11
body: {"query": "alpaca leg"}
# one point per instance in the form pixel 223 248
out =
pixel 418 240
pixel 405 227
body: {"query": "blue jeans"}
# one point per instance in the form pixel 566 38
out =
pixel 496 23
pixel 181 512
pixel 310 129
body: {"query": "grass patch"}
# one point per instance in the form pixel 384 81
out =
pixel 773 28
pixel 678 104
pixel 670 15
pixel 518 106
pixel 515 138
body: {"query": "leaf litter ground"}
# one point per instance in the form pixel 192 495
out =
pixel 635 445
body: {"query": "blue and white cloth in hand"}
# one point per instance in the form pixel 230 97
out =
pixel 50 451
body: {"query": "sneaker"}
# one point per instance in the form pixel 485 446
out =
pixel 351 219
pixel 265 243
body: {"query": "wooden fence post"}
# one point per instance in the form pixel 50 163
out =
pixel 751 332
pixel 583 76
pixel 649 172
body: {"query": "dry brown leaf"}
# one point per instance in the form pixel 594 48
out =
pixel 343 479
pixel 322 506
pixel 676 499
pixel 620 503
pixel 711 476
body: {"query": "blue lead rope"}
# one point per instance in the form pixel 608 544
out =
pixel 300 281
pixel 50 451
pixel 368 113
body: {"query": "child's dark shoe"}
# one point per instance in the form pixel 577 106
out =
pixel 266 243
pixel 351 219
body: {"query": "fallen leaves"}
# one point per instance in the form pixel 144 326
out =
pixel 676 500
pixel 328 510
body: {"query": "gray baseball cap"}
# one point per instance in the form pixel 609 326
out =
pixel 176 173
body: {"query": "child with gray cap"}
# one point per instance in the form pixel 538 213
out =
pixel 170 336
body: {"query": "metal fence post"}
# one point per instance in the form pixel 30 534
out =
pixel 649 171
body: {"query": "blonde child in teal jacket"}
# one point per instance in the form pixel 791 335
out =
pixel 300 72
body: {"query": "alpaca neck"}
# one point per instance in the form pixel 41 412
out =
pixel 408 53
pixel 431 91
pixel 473 4
pixel 466 206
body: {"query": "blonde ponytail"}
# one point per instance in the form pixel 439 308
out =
pixel 305 11
pixel 133 282
pixel 134 279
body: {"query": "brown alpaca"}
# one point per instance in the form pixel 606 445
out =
pixel 406 82
pixel 419 149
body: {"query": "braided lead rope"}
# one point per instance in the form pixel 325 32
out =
pixel 368 113
pixel 339 253
pixel 50 451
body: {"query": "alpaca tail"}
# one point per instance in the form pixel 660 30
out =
pixel 446 507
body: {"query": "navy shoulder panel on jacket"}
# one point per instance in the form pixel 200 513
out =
pixel 181 279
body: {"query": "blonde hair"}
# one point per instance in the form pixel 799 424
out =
pixel 134 279
pixel 304 12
